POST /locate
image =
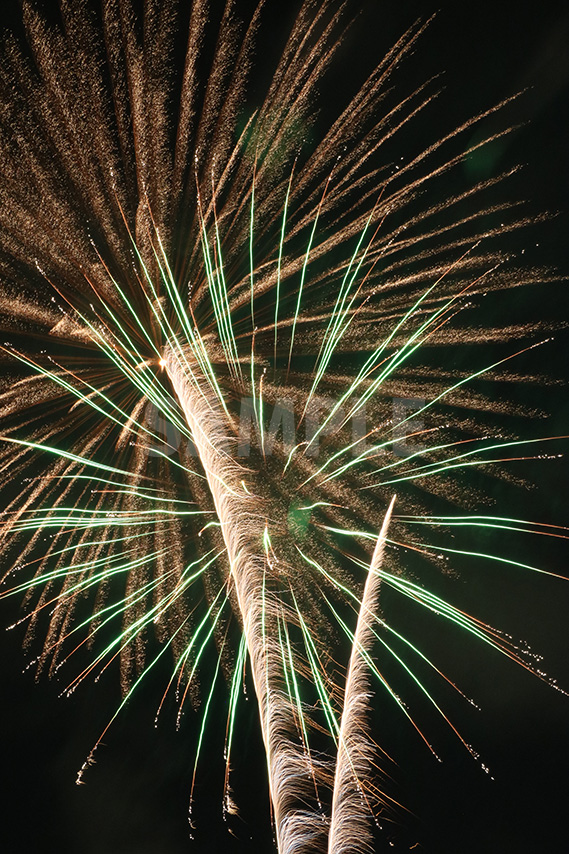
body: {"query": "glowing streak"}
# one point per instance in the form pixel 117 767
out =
pixel 317 671
pixel 303 273
pixel 349 826
pixel 341 314
pixel 281 244
pixel 234 694
pixel 203 726
pixel 239 513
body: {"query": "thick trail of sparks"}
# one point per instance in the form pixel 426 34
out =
pixel 349 824
pixel 240 516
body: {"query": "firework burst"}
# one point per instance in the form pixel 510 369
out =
pixel 217 383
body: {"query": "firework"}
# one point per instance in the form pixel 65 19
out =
pixel 175 256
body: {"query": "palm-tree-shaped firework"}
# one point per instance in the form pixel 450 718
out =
pixel 225 430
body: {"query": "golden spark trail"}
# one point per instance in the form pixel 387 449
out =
pixel 241 517
pixel 349 827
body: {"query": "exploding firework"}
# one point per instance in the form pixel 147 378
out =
pixel 229 349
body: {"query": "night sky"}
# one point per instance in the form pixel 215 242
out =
pixel 136 797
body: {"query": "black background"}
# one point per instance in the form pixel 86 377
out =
pixel 136 796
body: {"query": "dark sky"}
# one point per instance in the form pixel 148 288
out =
pixel 135 800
